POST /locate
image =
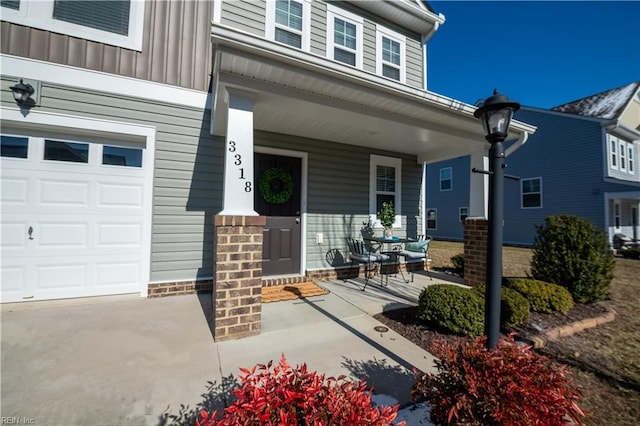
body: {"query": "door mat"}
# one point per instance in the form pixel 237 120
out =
pixel 276 293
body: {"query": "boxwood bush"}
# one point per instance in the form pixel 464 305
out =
pixel 457 309
pixel 542 296
pixel 514 307
pixel 572 252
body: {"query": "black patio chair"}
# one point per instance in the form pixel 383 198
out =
pixel 415 251
pixel 358 253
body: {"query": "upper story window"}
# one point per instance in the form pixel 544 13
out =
pixel 446 179
pixel 288 22
pixel 114 22
pixel 344 36
pixel 390 54
pixel 622 155
pixel 531 193
pixel 384 186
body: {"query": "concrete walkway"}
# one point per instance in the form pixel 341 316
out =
pixel 127 360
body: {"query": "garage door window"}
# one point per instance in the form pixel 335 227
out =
pixel 66 151
pixel 119 156
pixel 12 146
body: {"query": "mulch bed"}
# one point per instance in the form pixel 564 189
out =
pixel 405 323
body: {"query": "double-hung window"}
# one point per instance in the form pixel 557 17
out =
pixel 288 22
pixel 531 193
pixel 446 179
pixel 613 153
pixel 344 36
pixel 114 22
pixel 390 54
pixel 631 159
pixel 623 156
pixel 384 186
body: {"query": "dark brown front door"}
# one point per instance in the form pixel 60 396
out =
pixel 278 197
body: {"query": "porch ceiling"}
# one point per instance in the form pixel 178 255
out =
pixel 309 99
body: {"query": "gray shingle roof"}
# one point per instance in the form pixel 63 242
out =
pixel 608 104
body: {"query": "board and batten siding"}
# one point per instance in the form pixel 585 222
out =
pixel 187 176
pixel 176 46
pixel 338 192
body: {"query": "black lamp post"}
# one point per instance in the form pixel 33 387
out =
pixel 495 115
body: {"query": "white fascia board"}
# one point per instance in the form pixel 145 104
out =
pixel 100 81
pixel 223 35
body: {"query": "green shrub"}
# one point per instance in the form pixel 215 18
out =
pixel 456 309
pixel 514 308
pixel 573 253
pixel 505 386
pixel 458 262
pixel 543 297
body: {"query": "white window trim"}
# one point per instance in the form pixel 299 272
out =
pixel 39 14
pixel 612 149
pixel 378 160
pixel 522 194
pixel 426 219
pixel 451 178
pixel 631 158
pixel 380 32
pixel 335 12
pixel 270 24
pixel 622 155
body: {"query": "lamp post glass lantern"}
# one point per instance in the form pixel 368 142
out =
pixel 495 115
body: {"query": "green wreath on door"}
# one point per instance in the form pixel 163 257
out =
pixel 276 186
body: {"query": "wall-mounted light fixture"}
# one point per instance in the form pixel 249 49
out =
pixel 22 94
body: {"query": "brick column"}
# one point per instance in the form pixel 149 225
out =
pixel 475 250
pixel 237 289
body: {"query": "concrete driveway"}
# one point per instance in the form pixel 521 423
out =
pixel 127 360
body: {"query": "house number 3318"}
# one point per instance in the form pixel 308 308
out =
pixel 238 162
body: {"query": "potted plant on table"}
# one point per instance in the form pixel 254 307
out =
pixel 387 216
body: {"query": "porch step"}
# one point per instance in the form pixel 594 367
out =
pixel 272 281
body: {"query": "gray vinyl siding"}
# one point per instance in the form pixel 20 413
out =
pixel 176 46
pixel 188 172
pixel 369 42
pixel 246 15
pixel 319 28
pixel 415 76
pixel 338 192
pixel 250 16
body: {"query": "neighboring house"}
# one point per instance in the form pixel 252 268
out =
pixel 582 160
pixel 153 117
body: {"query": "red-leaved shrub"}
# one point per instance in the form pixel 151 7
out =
pixel 508 385
pixel 294 396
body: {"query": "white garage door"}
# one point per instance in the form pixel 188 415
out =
pixel 72 218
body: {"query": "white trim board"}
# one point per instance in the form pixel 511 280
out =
pixel 93 80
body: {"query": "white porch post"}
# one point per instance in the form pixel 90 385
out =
pixel 479 185
pixel 238 161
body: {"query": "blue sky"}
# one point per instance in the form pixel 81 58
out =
pixel 541 53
